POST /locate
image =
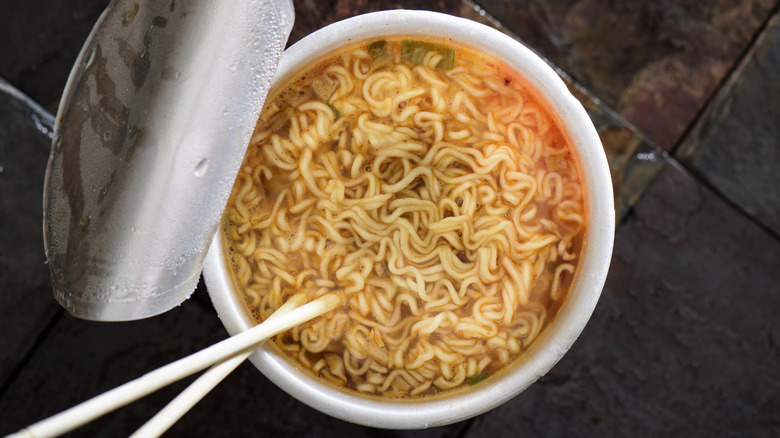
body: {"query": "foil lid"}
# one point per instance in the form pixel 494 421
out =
pixel 149 136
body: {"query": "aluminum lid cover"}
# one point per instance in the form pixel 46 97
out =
pixel 149 136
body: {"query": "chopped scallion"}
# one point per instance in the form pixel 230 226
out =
pixel 336 112
pixel 226 228
pixel 376 48
pixel 478 378
pixel 381 54
pixel 415 51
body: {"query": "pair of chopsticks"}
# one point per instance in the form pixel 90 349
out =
pixel 226 354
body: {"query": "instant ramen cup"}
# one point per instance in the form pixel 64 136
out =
pixel 588 279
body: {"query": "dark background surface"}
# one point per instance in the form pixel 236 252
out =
pixel 685 340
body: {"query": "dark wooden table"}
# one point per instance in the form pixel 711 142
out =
pixel 685 340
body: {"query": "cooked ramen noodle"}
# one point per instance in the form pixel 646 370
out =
pixel 427 186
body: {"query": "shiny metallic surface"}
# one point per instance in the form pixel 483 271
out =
pixel 149 136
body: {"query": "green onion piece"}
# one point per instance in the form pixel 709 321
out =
pixel 226 229
pixel 381 54
pixel 478 378
pixel 551 266
pixel 414 52
pixel 376 48
pixel 333 108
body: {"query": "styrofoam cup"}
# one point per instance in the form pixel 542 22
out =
pixel 574 313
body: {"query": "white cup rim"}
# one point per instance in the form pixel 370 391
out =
pixel 555 340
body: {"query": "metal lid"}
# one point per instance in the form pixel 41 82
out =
pixel 150 133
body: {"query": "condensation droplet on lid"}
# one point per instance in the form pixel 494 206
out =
pixel 201 167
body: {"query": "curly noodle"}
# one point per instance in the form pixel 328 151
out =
pixel 443 205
